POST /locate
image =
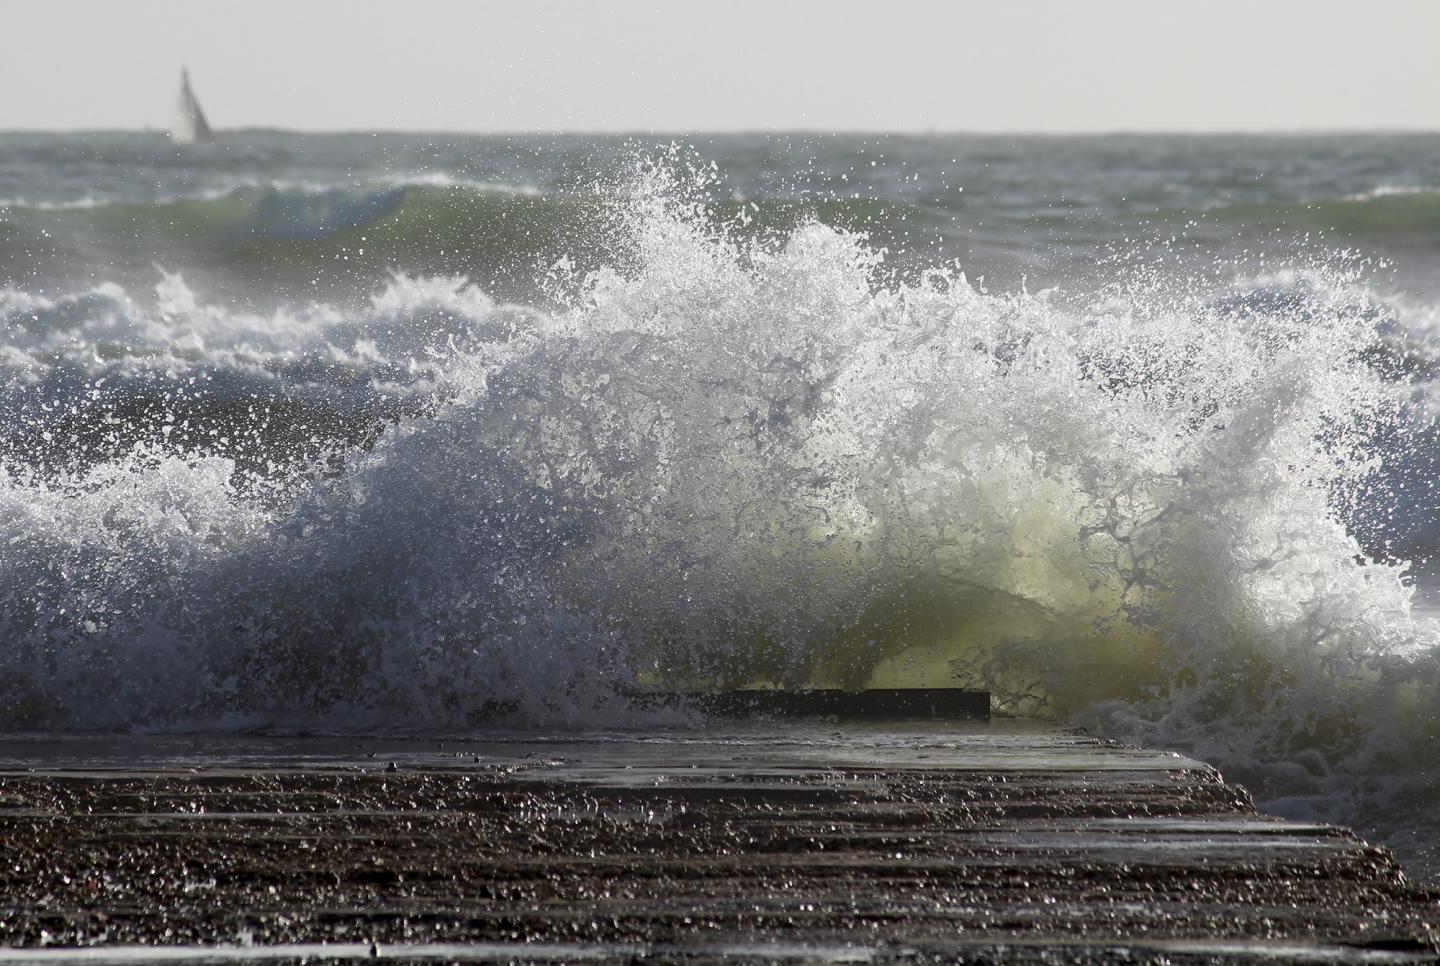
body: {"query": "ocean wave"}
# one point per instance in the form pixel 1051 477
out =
pixel 1393 190
pixel 280 245
pixel 276 245
pixel 730 460
pixel 1393 217
pixel 92 376
pixel 220 187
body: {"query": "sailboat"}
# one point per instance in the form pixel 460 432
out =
pixel 190 124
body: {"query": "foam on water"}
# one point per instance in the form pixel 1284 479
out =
pixel 722 462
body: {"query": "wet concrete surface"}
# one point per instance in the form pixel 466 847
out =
pixel 988 842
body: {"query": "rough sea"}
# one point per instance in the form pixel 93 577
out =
pixel 418 433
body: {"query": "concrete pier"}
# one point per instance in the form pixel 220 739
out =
pixel 990 842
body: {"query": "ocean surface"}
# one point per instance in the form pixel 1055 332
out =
pixel 393 433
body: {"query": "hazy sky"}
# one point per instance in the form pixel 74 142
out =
pixel 1045 65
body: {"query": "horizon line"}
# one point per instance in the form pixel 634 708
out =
pixel 765 131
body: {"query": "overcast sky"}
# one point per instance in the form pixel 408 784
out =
pixel 685 65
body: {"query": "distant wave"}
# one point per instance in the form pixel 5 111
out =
pixel 1389 214
pixel 220 188
pixel 1392 190
pixel 280 241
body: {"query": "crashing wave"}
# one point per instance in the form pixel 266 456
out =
pixel 727 461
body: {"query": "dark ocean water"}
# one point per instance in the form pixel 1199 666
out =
pixel 378 432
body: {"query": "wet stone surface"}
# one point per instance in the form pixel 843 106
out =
pixel 983 845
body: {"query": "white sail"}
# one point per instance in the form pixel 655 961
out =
pixel 190 124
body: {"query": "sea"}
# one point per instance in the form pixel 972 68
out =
pixel 392 433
